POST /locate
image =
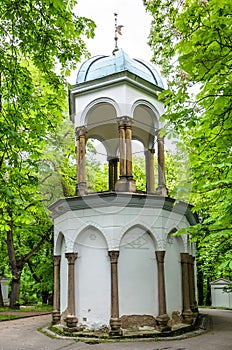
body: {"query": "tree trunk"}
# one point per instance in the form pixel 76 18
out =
pixel 1 296
pixel 208 293
pixel 45 296
pixel 200 287
pixel 15 291
pixel 17 264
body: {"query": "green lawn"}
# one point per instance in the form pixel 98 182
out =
pixel 28 308
pixel 4 317
pixel 7 314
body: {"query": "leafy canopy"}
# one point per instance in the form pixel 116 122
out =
pixel 41 42
pixel 192 41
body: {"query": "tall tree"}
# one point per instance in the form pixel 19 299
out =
pixel 192 42
pixel 41 41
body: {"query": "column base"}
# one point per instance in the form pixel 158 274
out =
pixel 162 322
pixel 125 185
pixel 81 189
pixel 115 327
pixel 194 308
pixel 56 317
pixel 187 316
pixel 162 191
pixel 71 322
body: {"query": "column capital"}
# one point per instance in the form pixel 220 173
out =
pixel 124 121
pixel 160 256
pixel 191 259
pixel 112 159
pixel 71 257
pixel 159 137
pixel 56 260
pixel 184 258
pixel 80 131
pixel 149 151
pixel 113 254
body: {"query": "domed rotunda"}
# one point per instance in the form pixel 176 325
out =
pixel 117 263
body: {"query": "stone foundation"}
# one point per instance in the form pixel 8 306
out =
pixel 136 322
pixel 175 319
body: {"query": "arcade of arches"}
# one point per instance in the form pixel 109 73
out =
pixel 120 131
pixel 117 280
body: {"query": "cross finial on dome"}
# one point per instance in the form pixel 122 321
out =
pixel 117 31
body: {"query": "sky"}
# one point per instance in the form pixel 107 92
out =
pixel 131 14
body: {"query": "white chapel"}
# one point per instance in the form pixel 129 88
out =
pixel 115 256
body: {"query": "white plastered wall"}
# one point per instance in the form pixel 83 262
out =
pixel 172 268
pixel 92 279
pixel 92 232
pixel 125 95
pixel 137 270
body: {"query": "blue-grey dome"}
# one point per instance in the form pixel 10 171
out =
pixel 101 66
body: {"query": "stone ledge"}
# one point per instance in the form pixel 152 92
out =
pixel 180 331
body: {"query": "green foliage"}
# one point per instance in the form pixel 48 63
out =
pixel 139 175
pixel 37 277
pixel 192 41
pixel 96 170
pixel 57 166
pixel 41 41
pixel 5 317
pixel 46 32
pixel 177 169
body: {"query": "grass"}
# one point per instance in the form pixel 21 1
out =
pixel 7 317
pixel 24 308
pixel 18 313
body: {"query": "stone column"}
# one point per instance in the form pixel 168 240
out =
pixel 71 319
pixel 122 147
pixel 81 149
pixel 163 318
pixel 128 131
pixel 150 178
pixel 115 322
pixel 162 189
pixel 111 174
pixel 126 182
pixel 56 293
pixel 187 313
pixel 115 165
pixel 193 302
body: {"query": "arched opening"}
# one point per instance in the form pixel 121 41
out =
pixel 173 272
pixel 137 270
pixel 117 137
pixel 63 275
pixel 92 282
pixel 145 128
pixel 98 168
pixel 139 165
pixel 97 172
